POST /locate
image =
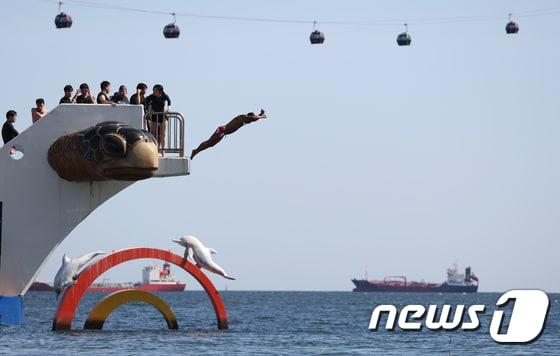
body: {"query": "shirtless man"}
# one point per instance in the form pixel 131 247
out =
pixel 229 128
pixel 37 113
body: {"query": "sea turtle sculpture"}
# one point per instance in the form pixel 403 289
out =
pixel 108 150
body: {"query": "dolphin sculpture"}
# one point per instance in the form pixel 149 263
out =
pixel 68 272
pixel 202 255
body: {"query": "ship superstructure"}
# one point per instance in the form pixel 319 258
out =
pixel 154 279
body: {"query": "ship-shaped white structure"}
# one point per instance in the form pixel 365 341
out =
pixel 38 209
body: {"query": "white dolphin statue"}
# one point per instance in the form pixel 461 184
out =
pixel 202 255
pixel 68 272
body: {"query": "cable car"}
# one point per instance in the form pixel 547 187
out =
pixel 171 30
pixel 316 37
pixel 511 27
pixel 63 20
pixel 404 38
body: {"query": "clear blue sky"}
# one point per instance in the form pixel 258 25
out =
pixel 398 160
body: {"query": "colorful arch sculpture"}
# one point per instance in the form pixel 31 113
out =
pixel 72 296
pixel 105 307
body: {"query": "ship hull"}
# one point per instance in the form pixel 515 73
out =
pixel 367 286
pixel 152 287
pixel 178 287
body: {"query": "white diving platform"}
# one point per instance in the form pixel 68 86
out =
pixel 38 209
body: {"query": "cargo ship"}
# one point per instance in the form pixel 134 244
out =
pixel 154 279
pixel 456 283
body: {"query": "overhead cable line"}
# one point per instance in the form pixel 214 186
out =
pixel 63 20
pixel 373 22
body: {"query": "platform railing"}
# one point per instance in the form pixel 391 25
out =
pixel 171 130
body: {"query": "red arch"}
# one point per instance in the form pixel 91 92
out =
pixel 72 296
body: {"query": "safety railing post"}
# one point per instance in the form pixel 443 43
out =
pixel 174 132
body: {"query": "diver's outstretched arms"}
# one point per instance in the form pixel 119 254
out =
pixel 229 128
pixel 240 120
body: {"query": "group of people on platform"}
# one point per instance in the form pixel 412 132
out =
pixel 157 103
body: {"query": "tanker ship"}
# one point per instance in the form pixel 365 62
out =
pixel 154 279
pixel 456 283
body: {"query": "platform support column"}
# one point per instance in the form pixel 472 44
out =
pixel 11 310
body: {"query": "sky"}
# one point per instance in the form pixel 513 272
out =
pixel 395 160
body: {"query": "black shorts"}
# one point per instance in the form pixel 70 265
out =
pixel 159 118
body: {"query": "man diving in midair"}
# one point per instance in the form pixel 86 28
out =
pixel 229 128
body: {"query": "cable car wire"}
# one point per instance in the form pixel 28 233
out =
pixel 378 22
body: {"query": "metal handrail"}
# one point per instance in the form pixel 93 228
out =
pixel 175 132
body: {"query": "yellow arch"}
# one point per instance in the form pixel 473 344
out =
pixel 105 307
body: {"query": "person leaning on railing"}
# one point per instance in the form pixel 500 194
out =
pixel 157 123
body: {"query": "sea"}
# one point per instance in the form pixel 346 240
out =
pixel 282 323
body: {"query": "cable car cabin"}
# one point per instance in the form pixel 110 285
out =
pixel 171 31
pixel 404 39
pixel 512 27
pixel 63 20
pixel 317 37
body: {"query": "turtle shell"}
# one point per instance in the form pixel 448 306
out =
pixel 92 139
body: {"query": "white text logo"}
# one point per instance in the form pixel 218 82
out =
pixel 525 325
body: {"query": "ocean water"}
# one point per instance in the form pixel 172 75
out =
pixel 292 323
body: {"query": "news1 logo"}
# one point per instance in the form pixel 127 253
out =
pixel 526 323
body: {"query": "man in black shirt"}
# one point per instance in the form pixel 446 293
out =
pixel 83 96
pixel 8 130
pixel 103 96
pixel 138 98
pixel 157 123
pixel 120 96
pixel 67 98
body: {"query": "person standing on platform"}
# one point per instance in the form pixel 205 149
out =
pixel 139 98
pixel 83 95
pixel 8 129
pixel 120 96
pixel 37 113
pixel 103 96
pixel 67 98
pixel 157 121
